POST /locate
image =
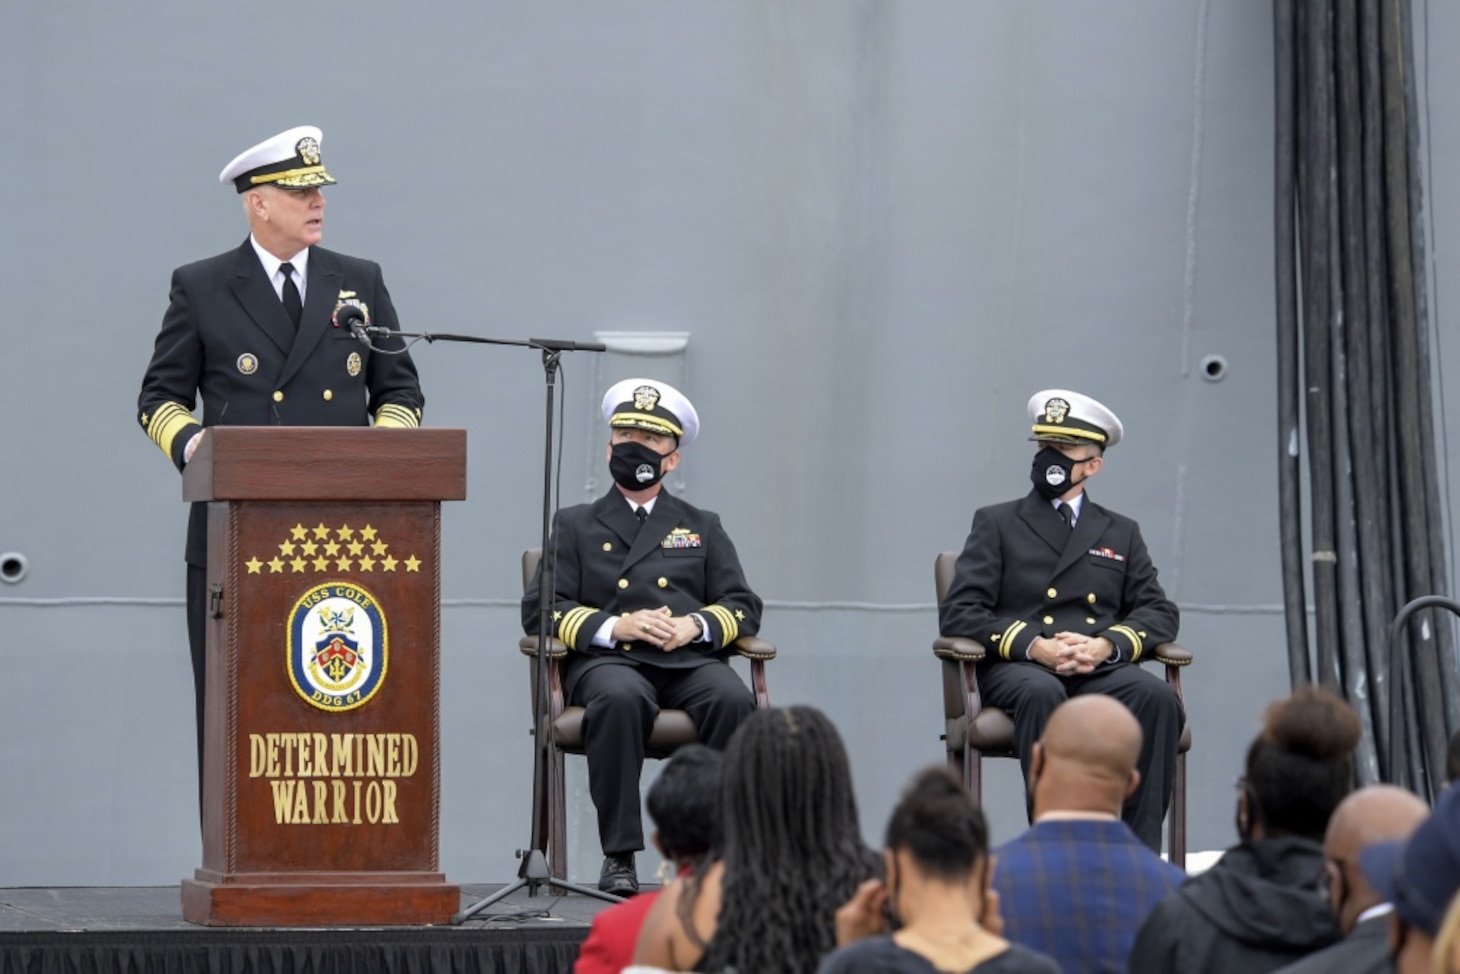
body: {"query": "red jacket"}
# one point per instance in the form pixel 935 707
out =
pixel 610 944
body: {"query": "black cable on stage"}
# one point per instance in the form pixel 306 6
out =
pixel 1289 379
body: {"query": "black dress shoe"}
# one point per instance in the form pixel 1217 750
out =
pixel 619 876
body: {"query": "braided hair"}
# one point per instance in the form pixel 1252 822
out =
pixel 793 848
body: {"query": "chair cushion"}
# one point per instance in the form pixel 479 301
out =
pixel 672 729
pixel 992 733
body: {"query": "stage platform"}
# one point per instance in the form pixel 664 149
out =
pixel 141 929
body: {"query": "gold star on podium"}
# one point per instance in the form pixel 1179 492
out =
pixel 309 549
pixel 297 564
pixel 254 565
pixel 388 564
pixel 275 565
pixel 321 532
pixel 320 565
pixel 379 548
pixel 356 547
pixel 367 564
pixel 413 564
pixel 343 565
pixel 345 532
pixel 287 549
pixel 332 548
pixel 299 532
pixel 368 533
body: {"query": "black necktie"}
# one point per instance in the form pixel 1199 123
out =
pixel 642 513
pixel 293 304
pixel 1068 514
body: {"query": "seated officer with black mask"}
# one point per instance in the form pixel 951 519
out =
pixel 1063 594
pixel 649 591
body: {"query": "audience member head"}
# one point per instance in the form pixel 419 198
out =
pixel 793 848
pixel 1452 758
pixel 1085 761
pixel 684 803
pixel 938 839
pixel 1379 813
pixel 1298 767
pixel 1420 876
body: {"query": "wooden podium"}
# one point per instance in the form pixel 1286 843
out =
pixel 321 771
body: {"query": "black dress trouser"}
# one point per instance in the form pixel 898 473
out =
pixel 1029 692
pixel 198 645
pixel 620 703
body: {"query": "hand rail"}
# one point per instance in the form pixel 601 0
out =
pixel 1397 689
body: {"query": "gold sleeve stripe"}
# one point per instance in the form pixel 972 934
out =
pixel 1007 639
pixel 169 420
pixel 727 621
pixel 571 623
pixel 718 614
pixel 1136 643
pixel 392 414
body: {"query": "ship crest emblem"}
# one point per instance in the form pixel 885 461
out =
pixel 337 646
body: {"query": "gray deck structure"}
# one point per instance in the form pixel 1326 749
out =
pixel 865 231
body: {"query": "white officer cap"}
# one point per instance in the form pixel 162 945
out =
pixel 290 160
pixel 652 405
pixel 1062 416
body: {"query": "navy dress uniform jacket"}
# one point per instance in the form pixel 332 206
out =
pixel 227 339
pixel 1023 573
pixel 608 565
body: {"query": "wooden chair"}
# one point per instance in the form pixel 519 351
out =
pixel 973 731
pixel 672 728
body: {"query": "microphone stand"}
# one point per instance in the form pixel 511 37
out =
pixel 535 870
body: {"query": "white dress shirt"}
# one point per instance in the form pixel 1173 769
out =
pixel 272 265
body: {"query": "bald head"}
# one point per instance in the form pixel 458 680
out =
pixel 1088 756
pixel 1379 813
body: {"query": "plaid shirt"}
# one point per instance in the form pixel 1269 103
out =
pixel 1078 890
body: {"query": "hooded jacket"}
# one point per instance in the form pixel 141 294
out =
pixel 1255 911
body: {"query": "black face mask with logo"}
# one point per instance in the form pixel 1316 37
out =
pixel 1053 473
pixel 635 466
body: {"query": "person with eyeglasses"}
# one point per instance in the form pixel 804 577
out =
pixel 1260 908
pixel 1380 813
pixel 1420 876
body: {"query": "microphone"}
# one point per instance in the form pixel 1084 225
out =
pixel 351 317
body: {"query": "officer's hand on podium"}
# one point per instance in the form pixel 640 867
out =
pixel 192 446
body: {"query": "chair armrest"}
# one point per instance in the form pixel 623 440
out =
pixel 959 648
pixel 555 650
pixel 1172 654
pixel 753 647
